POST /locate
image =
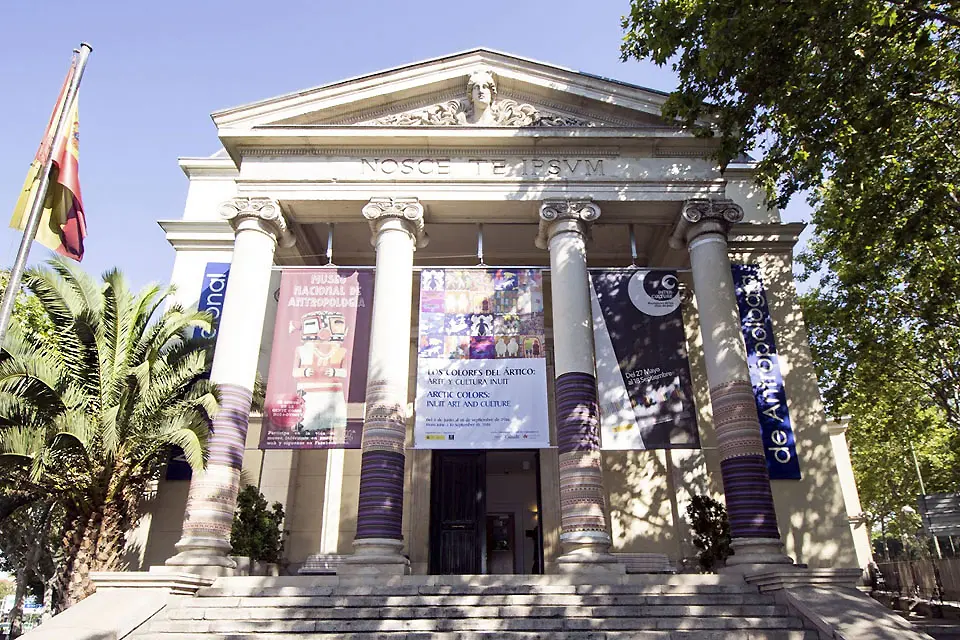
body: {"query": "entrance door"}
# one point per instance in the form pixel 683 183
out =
pixel 458 536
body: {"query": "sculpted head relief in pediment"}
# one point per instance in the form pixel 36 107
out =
pixel 482 108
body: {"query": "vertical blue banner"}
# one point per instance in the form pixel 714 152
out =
pixel 212 292
pixel 211 295
pixel 779 443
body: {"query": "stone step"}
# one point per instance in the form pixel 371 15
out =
pixel 255 590
pixel 211 602
pixel 482 611
pixel 753 634
pixel 541 625
pixel 477 580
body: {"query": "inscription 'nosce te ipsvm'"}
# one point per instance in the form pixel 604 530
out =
pixel 484 167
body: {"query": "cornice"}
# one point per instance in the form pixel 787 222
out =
pixel 751 236
pixel 198 235
pixel 471 152
pixel 216 168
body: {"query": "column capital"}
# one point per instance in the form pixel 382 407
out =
pixel 408 211
pixel 259 214
pixel 704 215
pixel 579 213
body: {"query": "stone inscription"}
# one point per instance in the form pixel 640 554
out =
pixel 531 168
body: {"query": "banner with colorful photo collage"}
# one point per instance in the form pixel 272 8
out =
pixel 318 361
pixel 643 376
pixel 481 367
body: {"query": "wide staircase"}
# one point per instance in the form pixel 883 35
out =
pixel 477 608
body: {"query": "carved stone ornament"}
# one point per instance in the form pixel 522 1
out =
pixel 481 108
pixel 261 214
pixel 583 212
pixel 704 215
pixel 409 210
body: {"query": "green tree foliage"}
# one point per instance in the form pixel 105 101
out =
pixel 28 550
pixel 855 100
pixel 257 531
pixel 28 309
pixel 899 387
pixel 857 103
pixel 88 414
pixel 711 532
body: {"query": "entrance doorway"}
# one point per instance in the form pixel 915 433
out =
pixel 485 515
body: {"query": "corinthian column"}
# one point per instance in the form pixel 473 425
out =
pixel 259 226
pixel 703 228
pixel 584 535
pixel 398 230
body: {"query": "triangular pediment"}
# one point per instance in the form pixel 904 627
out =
pixel 441 92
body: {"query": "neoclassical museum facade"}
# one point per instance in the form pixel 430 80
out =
pixel 510 320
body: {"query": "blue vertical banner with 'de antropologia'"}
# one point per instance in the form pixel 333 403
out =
pixel 779 443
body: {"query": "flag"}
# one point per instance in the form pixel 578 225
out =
pixel 62 223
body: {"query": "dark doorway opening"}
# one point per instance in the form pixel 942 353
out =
pixel 485 513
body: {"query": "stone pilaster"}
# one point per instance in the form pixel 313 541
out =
pixel 398 229
pixel 259 226
pixel 584 534
pixel 702 229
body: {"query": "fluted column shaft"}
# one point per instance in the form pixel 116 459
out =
pixel 584 534
pixel 205 543
pixel 703 229
pixel 397 227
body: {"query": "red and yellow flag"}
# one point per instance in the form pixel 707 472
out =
pixel 62 223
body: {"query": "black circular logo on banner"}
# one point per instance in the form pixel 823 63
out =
pixel 655 293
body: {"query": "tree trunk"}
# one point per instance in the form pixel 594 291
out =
pixel 29 570
pixel 96 544
pixel 80 543
pixel 16 613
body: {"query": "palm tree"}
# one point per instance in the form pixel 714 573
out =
pixel 90 410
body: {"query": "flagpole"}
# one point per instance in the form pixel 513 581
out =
pixel 36 207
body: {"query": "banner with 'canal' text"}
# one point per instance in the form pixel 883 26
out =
pixel 213 289
pixel 318 361
pixel 779 443
pixel 643 377
pixel 481 362
pixel 212 293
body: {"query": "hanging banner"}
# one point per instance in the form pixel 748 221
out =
pixel 643 377
pixel 481 366
pixel 776 430
pixel 318 362
pixel 212 292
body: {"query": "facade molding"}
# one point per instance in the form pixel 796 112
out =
pixel 198 235
pixel 460 152
pixel 755 236
pixel 444 74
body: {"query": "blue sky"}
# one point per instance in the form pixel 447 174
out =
pixel 158 69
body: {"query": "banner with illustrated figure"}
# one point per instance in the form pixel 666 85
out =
pixel 318 362
pixel 481 366
pixel 643 377
pixel 779 442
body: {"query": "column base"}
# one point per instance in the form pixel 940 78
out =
pixel 588 555
pixel 751 555
pixel 202 557
pixel 375 557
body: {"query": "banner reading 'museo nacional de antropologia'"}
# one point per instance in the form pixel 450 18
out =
pixel 481 366
pixel 318 362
